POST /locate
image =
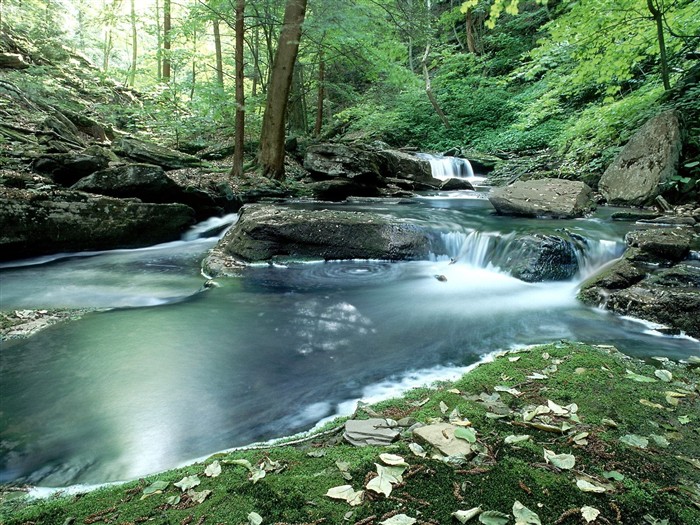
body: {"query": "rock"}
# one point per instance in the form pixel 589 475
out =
pixel 329 161
pixel 38 223
pixel 670 220
pixel 67 168
pixel 538 257
pixel 660 245
pixel 454 184
pixel 442 437
pixel 265 232
pixel 649 159
pixel 634 215
pixel 556 198
pixel 341 189
pixel 400 165
pixel 149 153
pixel 374 431
pixel 649 282
pixel 13 61
pixel 142 181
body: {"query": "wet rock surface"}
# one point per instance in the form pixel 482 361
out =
pixel 554 198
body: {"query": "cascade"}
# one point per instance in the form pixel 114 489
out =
pixel 444 168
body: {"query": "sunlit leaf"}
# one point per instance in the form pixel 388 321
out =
pixel 661 441
pixel 254 519
pixel 188 482
pixel 512 391
pixel 639 378
pixel 589 513
pixel 562 461
pixel 393 460
pixel 684 420
pixel 213 470
pixel 514 359
pixel 609 423
pixel 468 434
pixel 587 486
pixel 243 462
pixel 557 409
pixel 635 440
pixel 580 438
pixel 198 497
pixel 664 375
pixel 156 487
pixel 529 415
pixel 614 474
pixel 257 474
pixel 443 407
pixel 417 450
pixel 346 493
pixel 173 500
pixel 537 376
pixel 512 439
pixel 493 517
pixel 648 403
pixel 464 516
pixel 386 476
pixel 524 516
pixel 399 519
pixel 344 468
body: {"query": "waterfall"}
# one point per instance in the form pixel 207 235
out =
pixel 444 168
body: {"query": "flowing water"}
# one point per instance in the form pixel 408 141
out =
pixel 167 372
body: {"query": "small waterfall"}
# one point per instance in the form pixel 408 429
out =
pixel 471 248
pixel 211 227
pixel 444 168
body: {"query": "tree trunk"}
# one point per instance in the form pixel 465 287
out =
pixel 658 18
pixel 321 94
pixel 271 156
pixel 237 170
pixel 159 43
pixel 166 41
pixel 471 41
pixel 134 44
pixel 296 111
pixel 219 55
pixel 194 64
pixel 429 89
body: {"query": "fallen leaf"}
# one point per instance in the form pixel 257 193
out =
pixel 213 470
pixel 454 391
pixel 393 460
pixel 587 486
pixel 609 423
pixel 693 461
pixel 512 439
pixel 254 519
pixel 660 440
pixel 198 497
pixel 467 434
pixel 538 376
pixel 635 440
pixel 344 468
pixel 316 453
pixel 512 391
pixel 589 513
pixel 557 409
pixel 417 450
pixel 188 482
pixel 173 500
pixel 524 516
pixel 562 461
pixel 399 519
pixel 664 375
pixel 346 493
pixel 648 403
pixel 545 356
pixel 684 420
pixel 493 517
pixel 529 415
pixel 580 438
pixel 443 407
pixel 514 359
pixel 614 474
pixel 639 378
pixel 464 516
pixel 386 476
pixel 157 487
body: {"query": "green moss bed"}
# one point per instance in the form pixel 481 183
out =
pixel 624 435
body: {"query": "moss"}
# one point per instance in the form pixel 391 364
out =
pixel 657 481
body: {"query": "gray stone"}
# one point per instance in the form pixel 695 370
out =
pixel 149 153
pixel 660 244
pixel 142 181
pixel 65 221
pixel 266 232
pixel 455 184
pixel 442 437
pixel 329 161
pixel 400 165
pixel 555 198
pixel 68 168
pixel 375 431
pixel 650 157
pixel 537 257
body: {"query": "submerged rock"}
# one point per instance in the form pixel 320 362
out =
pixel 37 223
pixel 553 198
pixel 265 233
pixel 652 281
pixel 650 158
pixel 539 257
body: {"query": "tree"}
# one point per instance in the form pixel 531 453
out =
pixel 217 51
pixel 134 44
pixel 271 155
pixel 237 170
pixel 166 41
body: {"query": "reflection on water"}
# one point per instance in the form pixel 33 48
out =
pixel 131 391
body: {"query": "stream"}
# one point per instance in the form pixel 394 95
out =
pixel 167 372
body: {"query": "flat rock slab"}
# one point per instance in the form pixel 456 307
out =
pixel 442 437
pixel 265 233
pixel 553 198
pixel 364 432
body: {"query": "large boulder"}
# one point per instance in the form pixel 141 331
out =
pixel 149 153
pixel 142 181
pixel 266 232
pixel 38 223
pixel 330 161
pixel 652 281
pixel 537 257
pixel 401 165
pixel 68 168
pixel 554 198
pixel 650 157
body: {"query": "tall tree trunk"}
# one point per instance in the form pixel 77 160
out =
pixel 658 18
pixel 257 74
pixel 271 156
pixel 471 40
pixel 134 44
pixel 239 139
pixel 429 89
pixel 321 94
pixel 166 41
pixel 194 64
pixel 219 55
pixel 159 43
